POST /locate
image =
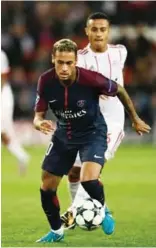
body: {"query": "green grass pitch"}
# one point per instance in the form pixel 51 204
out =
pixel 130 186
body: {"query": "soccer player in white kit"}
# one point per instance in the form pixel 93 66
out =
pixel 8 136
pixel 108 60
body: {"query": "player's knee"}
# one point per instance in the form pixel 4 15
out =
pixel 49 181
pixel 74 174
pixel 90 171
pixel 87 176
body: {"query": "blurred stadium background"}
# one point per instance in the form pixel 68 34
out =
pixel 28 31
pixel 30 28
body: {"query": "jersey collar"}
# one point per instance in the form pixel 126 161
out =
pixel 94 53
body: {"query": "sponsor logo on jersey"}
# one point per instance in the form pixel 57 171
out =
pixel 69 114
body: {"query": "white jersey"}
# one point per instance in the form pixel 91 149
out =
pixel 4 63
pixel 109 63
pixel 7 100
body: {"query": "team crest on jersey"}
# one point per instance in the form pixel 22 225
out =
pixel 80 103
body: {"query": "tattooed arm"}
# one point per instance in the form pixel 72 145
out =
pixel 139 125
pixel 127 102
pixel 108 87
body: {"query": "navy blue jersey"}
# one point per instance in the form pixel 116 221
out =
pixel 76 106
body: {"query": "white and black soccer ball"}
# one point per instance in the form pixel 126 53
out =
pixel 89 214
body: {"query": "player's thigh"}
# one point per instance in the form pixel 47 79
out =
pixel 94 150
pixel 7 103
pixel 59 158
pixel 7 111
pixel 114 138
pixel 90 171
pixel 74 174
pixel 50 181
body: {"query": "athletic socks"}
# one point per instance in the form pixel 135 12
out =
pixel 73 187
pixel 95 189
pixel 80 195
pixel 51 207
pixel 60 231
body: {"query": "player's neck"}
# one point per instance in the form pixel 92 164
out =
pixel 99 50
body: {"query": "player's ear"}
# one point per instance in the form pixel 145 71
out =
pixel 52 59
pixel 86 31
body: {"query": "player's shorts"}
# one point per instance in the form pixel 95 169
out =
pixel 7 106
pixel 60 157
pixel 115 136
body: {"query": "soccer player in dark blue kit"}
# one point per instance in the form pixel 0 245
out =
pixel 73 95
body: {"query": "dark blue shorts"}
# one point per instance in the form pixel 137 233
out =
pixel 94 151
pixel 60 157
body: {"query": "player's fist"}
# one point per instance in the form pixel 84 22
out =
pixel 46 126
pixel 140 126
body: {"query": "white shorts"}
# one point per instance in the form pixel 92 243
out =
pixel 114 138
pixel 7 106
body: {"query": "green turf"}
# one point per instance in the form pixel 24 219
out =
pixel 130 185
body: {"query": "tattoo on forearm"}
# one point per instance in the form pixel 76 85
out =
pixel 128 104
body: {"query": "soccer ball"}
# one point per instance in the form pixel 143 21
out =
pixel 89 214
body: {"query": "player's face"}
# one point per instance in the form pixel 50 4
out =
pixel 98 31
pixel 65 63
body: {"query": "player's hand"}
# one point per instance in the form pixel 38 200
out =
pixel 140 126
pixel 46 126
pixel 103 97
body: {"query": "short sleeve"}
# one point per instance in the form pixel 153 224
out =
pixel 101 84
pixel 41 104
pixel 105 85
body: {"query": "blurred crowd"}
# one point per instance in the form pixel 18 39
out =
pixel 30 28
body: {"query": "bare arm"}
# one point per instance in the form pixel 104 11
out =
pixel 127 102
pixel 38 118
pixel 108 87
pixel 139 125
pixel 45 126
pixel 41 107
